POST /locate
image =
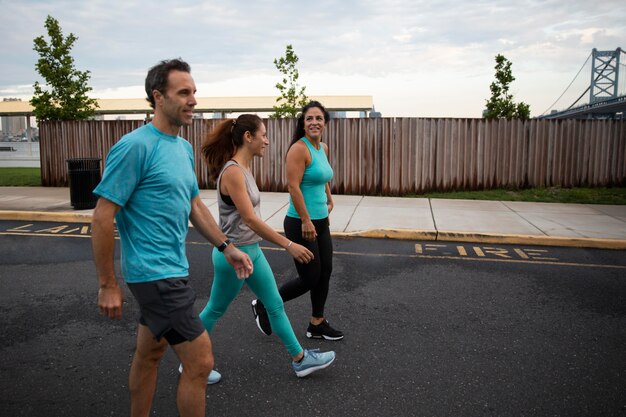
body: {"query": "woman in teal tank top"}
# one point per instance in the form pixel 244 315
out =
pixel 306 223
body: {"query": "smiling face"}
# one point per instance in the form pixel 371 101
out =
pixel 177 103
pixel 259 141
pixel 314 123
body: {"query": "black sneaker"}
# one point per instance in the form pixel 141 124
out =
pixel 260 316
pixel 323 330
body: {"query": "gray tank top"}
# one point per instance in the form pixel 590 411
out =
pixel 231 222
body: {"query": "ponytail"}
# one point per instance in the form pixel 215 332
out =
pixel 222 142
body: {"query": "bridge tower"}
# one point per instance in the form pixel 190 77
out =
pixel 604 75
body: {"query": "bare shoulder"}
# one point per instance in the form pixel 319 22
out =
pixel 232 170
pixel 299 151
pixel 232 176
pixel 298 146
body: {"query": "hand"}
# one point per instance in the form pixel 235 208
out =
pixel 239 260
pixel 308 231
pixel 300 253
pixel 330 205
pixel 110 301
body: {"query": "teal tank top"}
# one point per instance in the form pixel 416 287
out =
pixel 313 184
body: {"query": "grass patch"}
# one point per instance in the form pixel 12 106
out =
pixel 20 177
pixel 580 195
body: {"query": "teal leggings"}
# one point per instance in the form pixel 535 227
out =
pixel 226 286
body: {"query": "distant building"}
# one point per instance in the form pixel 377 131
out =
pixel 12 125
pixel 337 114
pixel 17 117
pixel 374 113
pixel 223 107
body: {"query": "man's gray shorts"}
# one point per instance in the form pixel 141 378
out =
pixel 167 308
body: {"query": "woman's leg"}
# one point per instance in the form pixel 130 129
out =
pixel 308 274
pixel 318 326
pixel 319 292
pixel 225 288
pixel 263 284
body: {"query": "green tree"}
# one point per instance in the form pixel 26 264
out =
pixel 501 104
pixel 64 95
pixel 292 97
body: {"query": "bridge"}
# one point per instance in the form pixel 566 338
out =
pixel 604 96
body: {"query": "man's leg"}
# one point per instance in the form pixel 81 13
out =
pixel 143 371
pixel 197 359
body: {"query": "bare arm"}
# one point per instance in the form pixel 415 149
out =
pixel 110 296
pixel 204 222
pixel 329 198
pixel 233 183
pixel 330 203
pixel 297 159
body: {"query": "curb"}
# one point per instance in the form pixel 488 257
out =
pixel 536 240
pixel 44 216
pixel 400 234
pixel 474 237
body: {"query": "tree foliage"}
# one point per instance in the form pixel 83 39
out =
pixel 501 104
pixel 64 95
pixel 292 97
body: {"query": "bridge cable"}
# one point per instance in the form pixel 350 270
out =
pixel 570 84
pixel 578 99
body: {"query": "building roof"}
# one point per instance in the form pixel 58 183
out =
pixel 205 105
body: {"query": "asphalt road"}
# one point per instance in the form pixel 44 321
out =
pixel 431 330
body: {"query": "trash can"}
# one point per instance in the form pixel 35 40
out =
pixel 84 176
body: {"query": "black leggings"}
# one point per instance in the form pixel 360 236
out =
pixel 315 275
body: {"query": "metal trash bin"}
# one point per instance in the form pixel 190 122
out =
pixel 84 176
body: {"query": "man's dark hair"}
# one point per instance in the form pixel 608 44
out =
pixel 157 76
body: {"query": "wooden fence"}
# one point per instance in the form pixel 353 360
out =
pixel 396 156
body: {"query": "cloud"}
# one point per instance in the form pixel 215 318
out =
pixel 414 56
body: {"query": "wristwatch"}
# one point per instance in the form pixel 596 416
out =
pixel 223 245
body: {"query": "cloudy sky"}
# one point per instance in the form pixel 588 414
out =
pixel 416 58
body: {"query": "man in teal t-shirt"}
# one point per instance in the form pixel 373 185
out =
pixel 149 188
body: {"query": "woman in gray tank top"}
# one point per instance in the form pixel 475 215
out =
pixel 229 151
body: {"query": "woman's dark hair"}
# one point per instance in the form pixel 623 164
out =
pixel 299 132
pixel 157 76
pixel 222 142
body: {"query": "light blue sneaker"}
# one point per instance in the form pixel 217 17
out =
pixel 214 376
pixel 313 360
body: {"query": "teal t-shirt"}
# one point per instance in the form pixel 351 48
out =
pixel 313 184
pixel 150 175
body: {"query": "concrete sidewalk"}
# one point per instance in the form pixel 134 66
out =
pixel 579 225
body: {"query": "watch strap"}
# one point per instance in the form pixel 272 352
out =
pixel 224 245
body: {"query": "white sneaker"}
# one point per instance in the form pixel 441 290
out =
pixel 214 376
